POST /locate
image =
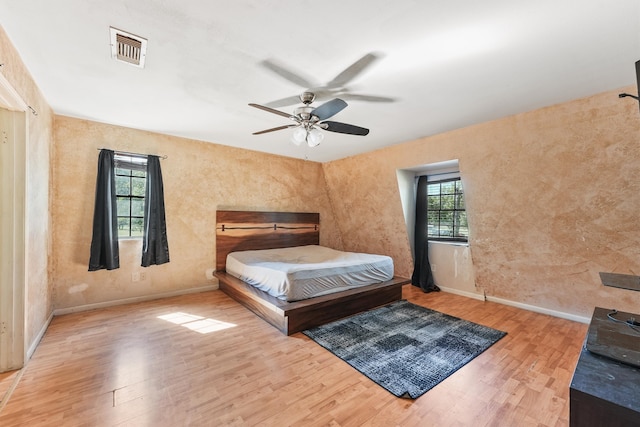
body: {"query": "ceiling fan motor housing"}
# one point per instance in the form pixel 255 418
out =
pixel 307 97
pixel 304 113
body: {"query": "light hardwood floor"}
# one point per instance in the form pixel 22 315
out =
pixel 128 366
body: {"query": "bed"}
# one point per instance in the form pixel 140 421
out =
pixel 240 231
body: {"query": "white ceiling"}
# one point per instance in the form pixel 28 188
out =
pixel 447 64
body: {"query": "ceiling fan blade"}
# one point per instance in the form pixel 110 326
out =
pixel 288 74
pixel 273 129
pixel 353 70
pixel 271 110
pixel 284 102
pixel 329 108
pixel 321 95
pixel 367 98
pixel 344 128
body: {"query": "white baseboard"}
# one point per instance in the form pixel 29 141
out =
pixel 542 310
pixel 534 308
pixel 36 341
pixel 86 307
pixel 462 293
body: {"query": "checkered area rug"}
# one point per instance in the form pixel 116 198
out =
pixel 403 347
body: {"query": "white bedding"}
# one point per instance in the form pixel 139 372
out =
pixel 303 272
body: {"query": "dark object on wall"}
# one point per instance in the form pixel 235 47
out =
pixel 604 392
pixel 623 281
pixel 104 242
pixel 155 245
pixel 624 95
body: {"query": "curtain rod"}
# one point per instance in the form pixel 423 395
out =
pixel 126 153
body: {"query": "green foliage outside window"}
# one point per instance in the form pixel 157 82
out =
pixel 130 187
pixel 447 218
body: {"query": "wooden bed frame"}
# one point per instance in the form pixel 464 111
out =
pixel 250 230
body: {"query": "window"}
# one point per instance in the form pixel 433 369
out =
pixel 130 188
pixel 447 218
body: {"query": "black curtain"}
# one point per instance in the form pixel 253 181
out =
pixel 104 243
pixel 155 246
pixel 422 276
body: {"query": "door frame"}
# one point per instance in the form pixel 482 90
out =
pixel 13 227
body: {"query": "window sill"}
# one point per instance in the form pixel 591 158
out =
pixel 453 243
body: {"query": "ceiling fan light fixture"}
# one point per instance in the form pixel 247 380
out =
pixel 299 135
pixel 314 137
pixel 311 135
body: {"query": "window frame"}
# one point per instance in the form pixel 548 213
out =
pixel 134 166
pixel 440 179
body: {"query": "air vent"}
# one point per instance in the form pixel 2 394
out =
pixel 128 48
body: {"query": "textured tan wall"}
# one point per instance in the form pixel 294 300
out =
pixel 39 139
pixel 198 178
pixel 553 198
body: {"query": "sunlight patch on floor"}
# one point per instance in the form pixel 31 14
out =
pixel 196 323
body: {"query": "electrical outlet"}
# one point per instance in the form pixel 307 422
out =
pixel 135 277
pixel 433 268
pixel 143 275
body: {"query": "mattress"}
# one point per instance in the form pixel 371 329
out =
pixel 303 272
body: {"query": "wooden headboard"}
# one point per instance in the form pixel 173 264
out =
pixel 250 230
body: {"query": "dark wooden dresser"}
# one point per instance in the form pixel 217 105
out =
pixel 604 392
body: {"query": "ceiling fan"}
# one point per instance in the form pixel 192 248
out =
pixel 310 120
pixel 337 87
